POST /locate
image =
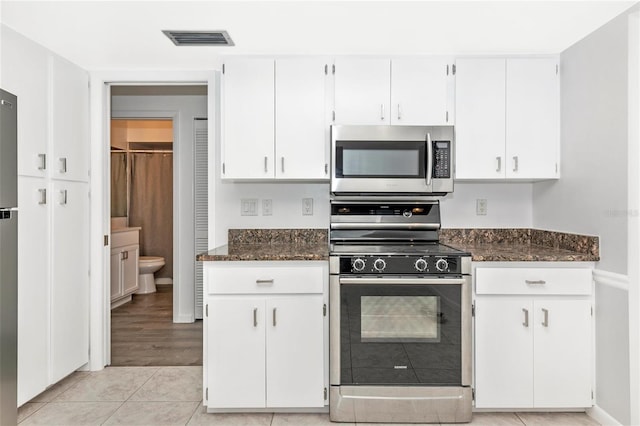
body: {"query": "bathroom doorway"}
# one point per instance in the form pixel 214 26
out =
pixel 149 187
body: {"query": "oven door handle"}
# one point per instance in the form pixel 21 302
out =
pixel 429 159
pixel 376 281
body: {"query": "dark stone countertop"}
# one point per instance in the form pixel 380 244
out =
pixel 267 251
pixel 518 252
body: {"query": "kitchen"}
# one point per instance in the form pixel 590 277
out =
pixel 592 208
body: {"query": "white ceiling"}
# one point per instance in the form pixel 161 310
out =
pixel 127 34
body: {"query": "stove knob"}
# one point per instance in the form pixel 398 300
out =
pixel 442 265
pixel 358 265
pixel 379 265
pixel 421 265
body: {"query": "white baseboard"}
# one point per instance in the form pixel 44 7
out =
pixel 602 417
pixel 183 318
pixel 164 281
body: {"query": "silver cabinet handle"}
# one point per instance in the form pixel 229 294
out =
pixel 282 164
pixel 265 165
pixel 43 196
pixel 63 165
pixel 545 318
pixel 269 281
pixel 326 168
pixel 399 113
pixel 43 161
pixel 499 167
pixel 63 197
pixel 530 282
pixel 526 317
pixel 429 159
pixel 382 112
pixel 274 316
pixel 255 317
pixel 125 255
pixel 515 163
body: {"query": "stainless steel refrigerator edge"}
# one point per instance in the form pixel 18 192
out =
pixel 8 259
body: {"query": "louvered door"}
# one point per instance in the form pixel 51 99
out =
pixel 201 204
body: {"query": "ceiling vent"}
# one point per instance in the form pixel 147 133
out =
pixel 199 38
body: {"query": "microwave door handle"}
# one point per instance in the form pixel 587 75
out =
pixel 429 159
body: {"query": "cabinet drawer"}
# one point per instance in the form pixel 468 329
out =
pixel 543 281
pixel 248 278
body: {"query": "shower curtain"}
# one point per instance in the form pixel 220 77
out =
pixel 151 205
pixel 118 184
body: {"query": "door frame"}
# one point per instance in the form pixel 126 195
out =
pixel 100 109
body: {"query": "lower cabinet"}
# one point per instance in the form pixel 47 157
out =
pixel 265 336
pixel 533 346
pixel 125 252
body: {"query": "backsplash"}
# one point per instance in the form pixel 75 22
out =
pixel 579 243
pixel 278 236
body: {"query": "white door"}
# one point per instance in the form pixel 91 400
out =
pixel 248 118
pixel 25 73
pixel 33 291
pixel 116 274
pixel 302 134
pixel 362 91
pixel 295 355
pixel 130 270
pixel 504 352
pixel 420 91
pixel 70 278
pixel 533 118
pixel 70 121
pixel 562 348
pixel 235 352
pixel 480 118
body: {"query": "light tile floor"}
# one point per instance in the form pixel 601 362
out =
pixel 173 396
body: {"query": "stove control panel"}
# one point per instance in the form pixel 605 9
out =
pixel 399 264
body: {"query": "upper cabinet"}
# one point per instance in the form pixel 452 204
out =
pixel 275 119
pixel 404 91
pixel 507 118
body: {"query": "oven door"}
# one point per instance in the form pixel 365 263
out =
pixel 400 331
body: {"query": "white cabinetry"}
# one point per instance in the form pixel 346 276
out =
pixel 265 335
pixel 274 119
pixel 402 91
pixel 507 118
pixel 53 242
pixel 533 344
pixel 125 252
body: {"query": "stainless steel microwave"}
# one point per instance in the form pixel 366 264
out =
pixel 392 160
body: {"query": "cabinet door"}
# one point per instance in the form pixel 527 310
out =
pixel 235 352
pixel 480 118
pixel 362 91
pixel 25 73
pixel 116 274
pixel 70 121
pixel 130 270
pixel 420 91
pixel 562 348
pixel 532 114
pixel 248 118
pixel 504 352
pixel 302 133
pixel 295 356
pixel 33 288
pixel 70 278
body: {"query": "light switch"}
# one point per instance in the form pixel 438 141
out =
pixel 249 207
pixel 266 207
pixel 481 207
pixel 307 206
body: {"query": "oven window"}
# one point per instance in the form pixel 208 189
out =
pixel 401 334
pixel 380 159
pixel 399 319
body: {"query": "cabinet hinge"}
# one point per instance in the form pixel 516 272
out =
pixel 326 69
pixel 106 240
pixel 325 394
pixel 334 115
pixel 453 69
pixel 223 168
pixel 333 69
pixel 222 68
pixel 473 310
pixel 324 310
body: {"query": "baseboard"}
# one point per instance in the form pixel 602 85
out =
pixel 602 417
pixel 164 281
pixel 183 318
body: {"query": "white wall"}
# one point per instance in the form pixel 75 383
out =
pixel 591 196
pixel 185 108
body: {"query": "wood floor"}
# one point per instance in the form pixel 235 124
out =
pixel 143 333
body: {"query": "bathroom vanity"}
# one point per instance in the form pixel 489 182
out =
pixel 125 252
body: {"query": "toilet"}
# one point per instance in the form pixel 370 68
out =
pixel 147 266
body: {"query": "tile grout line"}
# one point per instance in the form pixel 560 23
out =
pixel 194 412
pixel 520 418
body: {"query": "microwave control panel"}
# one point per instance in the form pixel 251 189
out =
pixel 441 159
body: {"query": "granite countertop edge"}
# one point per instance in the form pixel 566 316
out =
pixel 266 252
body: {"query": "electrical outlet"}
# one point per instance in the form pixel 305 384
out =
pixel 307 206
pixel 266 207
pixel 481 207
pixel 249 207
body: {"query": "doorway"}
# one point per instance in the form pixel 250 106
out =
pixel 157 327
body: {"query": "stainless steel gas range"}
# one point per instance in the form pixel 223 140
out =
pixel 400 315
